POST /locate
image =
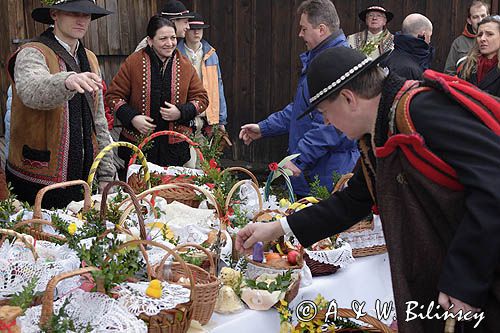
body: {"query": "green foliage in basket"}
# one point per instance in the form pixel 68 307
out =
pixel 24 298
pixel 61 322
pixel 282 283
pixel 118 269
pixel 123 264
pixel 239 218
pixel 7 208
pixel 210 146
pixel 219 182
pixel 141 137
pixel 317 190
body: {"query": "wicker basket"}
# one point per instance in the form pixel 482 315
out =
pixel 33 227
pixel 48 297
pixel 363 225
pixel 175 320
pixel 206 284
pixel 318 268
pixel 183 195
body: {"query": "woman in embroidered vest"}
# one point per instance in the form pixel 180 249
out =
pixel 482 67
pixel 157 89
pixel 376 38
pixel 57 121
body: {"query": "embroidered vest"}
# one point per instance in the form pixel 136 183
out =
pixel 42 133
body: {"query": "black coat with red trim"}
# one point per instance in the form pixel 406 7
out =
pixel 469 231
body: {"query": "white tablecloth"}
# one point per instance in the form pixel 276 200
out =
pixel 365 280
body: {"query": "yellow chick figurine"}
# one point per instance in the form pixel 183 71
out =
pixel 154 289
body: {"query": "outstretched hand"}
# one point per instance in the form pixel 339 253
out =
pixel 249 133
pixel 257 232
pixel 82 82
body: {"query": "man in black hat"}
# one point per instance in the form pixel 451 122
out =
pixel 176 12
pixel 413 52
pixel 58 120
pixel 376 38
pixel 431 166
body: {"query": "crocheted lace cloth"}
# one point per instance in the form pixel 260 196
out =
pixel 366 238
pixel 171 170
pixel 341 256
pixel 103 313
pixel 18 267
pixel 133 297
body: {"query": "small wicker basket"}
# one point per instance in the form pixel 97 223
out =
pixel 183 195
pixel 206 283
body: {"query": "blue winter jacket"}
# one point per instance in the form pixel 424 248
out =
pixel 323 149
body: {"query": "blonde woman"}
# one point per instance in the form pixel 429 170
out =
pixel 481 67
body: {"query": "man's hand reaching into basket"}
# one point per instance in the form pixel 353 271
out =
pixel 257 232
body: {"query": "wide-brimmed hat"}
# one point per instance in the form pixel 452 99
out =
pixel 174 10
pixel 332 69
pixel 42 14
pixel 197 22
pixel 388 14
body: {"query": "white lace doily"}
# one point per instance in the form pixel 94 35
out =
pixel 103 313
pixel 171 170
pixel 18 267
pixel 253 271
pixel 367 238
pixel 341 256
pixel 133 297
pixel 25 214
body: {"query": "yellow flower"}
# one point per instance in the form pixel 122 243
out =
pixel 72 228
pixel 168 233
pixel 284 203
pixel 283 302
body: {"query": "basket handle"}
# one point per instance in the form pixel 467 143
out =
pixel 21 237
pixel 21 224
pixel 135 202
pixel 48 297
pixel 167 133
pixel 348 313
pixel 242 170
pixel 141 242
pixel 105 150
pixel 235 187
pixel 342 182
pixel 37 210
pixel 159 270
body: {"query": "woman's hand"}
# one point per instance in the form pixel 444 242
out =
pixel 170 112
pixel 143 124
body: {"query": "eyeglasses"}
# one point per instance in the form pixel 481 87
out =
pixel 375 15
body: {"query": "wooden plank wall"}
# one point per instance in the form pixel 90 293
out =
pixel 258 46
pixel 256 41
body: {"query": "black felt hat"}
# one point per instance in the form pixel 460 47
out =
pixel 332 69
pixel 174 10
pixel 42 14
pixel 362 15
pixel 197 22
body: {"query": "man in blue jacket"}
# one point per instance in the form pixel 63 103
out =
pixel 323 149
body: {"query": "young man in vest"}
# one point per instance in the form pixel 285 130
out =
pixel 431 165
pixel 58 122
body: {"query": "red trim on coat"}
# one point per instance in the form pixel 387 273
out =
pixel 435 169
